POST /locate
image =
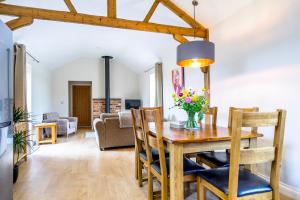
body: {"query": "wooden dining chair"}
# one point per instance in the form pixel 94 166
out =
pixel 212 114
pixel 139 144
pixel 161 168
pixel 237 182
pixel 140 151
pixel 215 159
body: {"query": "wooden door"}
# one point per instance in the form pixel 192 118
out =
pixel 82 104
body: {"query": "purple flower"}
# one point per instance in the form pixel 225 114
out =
pixel 188 100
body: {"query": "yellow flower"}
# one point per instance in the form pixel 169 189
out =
pixel 174 95
pixel 195 98
pixel 206 102
pixel 203 89
pixel 185 92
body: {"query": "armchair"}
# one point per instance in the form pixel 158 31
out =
pixel 65 125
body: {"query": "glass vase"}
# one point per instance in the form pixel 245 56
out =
pixel 191 122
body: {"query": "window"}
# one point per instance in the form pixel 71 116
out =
pixel 152 89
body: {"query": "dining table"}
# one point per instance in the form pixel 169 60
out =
pixel 181 141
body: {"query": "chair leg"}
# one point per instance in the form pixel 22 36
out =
pixel 136 164
pixel 164 189
pixel 150 184
pixel 201 192
pixel 140 175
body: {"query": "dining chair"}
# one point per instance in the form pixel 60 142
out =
pixel 212 114
pixel 139 144
pixel 237 182
pixel 161 168
pixel 140 151
pixel 215 159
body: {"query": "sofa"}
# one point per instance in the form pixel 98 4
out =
pixel 109 134
pixel 65 125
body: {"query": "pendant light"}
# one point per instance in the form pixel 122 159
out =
pixel 198 53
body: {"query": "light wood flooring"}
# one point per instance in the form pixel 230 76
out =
pixel 75 169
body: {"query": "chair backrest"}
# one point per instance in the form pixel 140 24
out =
pixel 137 128
pixel 151 141
pixel 213 112
pixel 231 109
pixel 256 155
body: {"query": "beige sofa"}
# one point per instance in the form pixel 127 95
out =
pixel 109 134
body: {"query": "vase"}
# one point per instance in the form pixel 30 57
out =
pixel 191 122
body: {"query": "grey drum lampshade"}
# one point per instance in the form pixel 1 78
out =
pixel 199 53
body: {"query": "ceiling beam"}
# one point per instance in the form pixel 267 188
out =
pixel 63 16
pixel 112 8
pixel 19 23
pixel 180 38
pixel 70 6
pixel 182 14
pixel 151 11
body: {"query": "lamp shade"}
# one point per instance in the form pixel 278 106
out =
pixel 196 54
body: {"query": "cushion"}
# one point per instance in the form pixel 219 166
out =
pixel 51 116
pixel 189 166
pixel 155 155
pixel 248 183
pixel 220 159
pixel 103 116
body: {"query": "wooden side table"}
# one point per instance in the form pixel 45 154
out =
pixel 39 129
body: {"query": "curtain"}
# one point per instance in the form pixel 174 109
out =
pixel 158 84
pixel 20 87
pixel 20 76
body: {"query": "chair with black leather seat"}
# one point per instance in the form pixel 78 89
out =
pixel 140 151
pixel 212 114
pixel 160 168
pixel 215 159
pixel 236 182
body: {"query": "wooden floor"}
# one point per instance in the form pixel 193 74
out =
pixel 75 169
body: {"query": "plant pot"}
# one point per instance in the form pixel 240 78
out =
pixel 15 173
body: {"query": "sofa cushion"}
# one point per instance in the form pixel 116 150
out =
pixel 51 116
pixel 104 116
pixel 248 183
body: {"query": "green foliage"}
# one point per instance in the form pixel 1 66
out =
pixel 20 142
pixel 20 115
pixel 190 101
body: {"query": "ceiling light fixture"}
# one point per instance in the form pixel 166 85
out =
pixel 197 53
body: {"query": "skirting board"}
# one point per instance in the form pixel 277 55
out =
pixel 285 189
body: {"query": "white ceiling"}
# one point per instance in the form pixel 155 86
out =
pixel 56 43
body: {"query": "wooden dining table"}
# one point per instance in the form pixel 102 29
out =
pixel 206 138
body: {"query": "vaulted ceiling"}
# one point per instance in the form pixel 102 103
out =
pixel 57 43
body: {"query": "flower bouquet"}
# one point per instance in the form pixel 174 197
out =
pixel 193 103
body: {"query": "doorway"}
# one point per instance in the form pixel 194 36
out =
pixel 81 102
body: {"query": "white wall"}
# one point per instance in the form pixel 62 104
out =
pixel 124 82
pixel 144 88
pixel 41 91
pixel 257 64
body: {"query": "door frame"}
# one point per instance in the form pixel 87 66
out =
pixel 70 88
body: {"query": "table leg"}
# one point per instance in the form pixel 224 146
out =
pixel 53 134
pixel 253 144
pixel 176 172
pixel 37 130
